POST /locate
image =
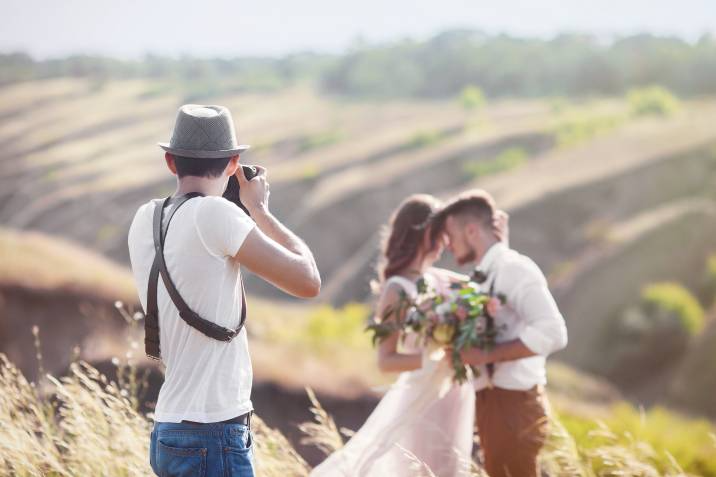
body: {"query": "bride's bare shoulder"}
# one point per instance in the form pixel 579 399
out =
pixel 389 292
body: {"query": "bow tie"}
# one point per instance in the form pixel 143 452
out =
pixel 479 276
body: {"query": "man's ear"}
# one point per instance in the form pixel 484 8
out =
pixel 233 166
pixel 170 163
pixel 472 230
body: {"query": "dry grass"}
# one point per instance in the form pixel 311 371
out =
pixel 38 262
pixel 83 425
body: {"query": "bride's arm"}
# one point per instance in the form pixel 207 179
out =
pixel 389 359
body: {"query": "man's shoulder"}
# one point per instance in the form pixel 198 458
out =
pixel 143 211
pixel 219 204
pixel 519 265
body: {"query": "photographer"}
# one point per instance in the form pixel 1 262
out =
pixel 186 252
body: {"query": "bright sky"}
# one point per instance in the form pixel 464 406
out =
pixel 131 28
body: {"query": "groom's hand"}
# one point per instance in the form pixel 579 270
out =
pixel 501 226
pixel 475 356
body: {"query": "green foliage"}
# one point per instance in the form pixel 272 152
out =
pixel 558 105
pixel 676 301
pixel 504 66
pixel 322 139
pixel 344 327
pixel 658 434
pixel 310 171
pixel 441 67
pixel 209 85
pixel 652 101
pixel 425 138
pixel 695 385
pixel 579 129
pixel 710 279
pixel 653 335
pixel 472 98
pixel 155 90
pixel 505 161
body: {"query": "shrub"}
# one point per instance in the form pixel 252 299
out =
pixel 425 138
pixel 652 335
pixel 677 303
pixel 328 326
pixel 472 98
pixel 695 385
pixel 505 161
pixel 652 101
pixel 581 128
pixel 316 141
pixel 710 280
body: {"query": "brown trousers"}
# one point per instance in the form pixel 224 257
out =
pixel 513 427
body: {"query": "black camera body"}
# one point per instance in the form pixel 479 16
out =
pixel 232 188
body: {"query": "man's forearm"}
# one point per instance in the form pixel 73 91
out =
pixel 278 232
pixel 508 351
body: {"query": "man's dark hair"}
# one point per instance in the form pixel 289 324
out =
pixel 476 204
pixel 190 166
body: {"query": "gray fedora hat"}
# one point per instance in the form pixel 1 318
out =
pixel 203 132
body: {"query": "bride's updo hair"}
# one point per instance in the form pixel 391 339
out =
pixel 404 234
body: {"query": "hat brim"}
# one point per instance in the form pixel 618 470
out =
pixel 203 154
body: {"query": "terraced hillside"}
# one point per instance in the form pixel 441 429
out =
pixel 603 200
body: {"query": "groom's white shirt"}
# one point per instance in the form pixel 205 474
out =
pixel 530 315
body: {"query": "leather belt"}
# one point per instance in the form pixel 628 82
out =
pixel 244 419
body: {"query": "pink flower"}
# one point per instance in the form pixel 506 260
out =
pixel 494 306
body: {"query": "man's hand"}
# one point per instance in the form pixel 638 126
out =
pixel 475 356
pixel 508 351
pixel 254 193
pixel 501 226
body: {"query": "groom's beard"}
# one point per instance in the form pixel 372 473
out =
pixel 467 257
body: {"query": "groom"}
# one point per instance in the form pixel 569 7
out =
pixel 511 407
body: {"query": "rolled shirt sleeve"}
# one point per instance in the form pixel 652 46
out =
pixel 544 331
pixel 222 226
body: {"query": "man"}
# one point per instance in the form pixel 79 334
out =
pixel 202 416
pixel 511 408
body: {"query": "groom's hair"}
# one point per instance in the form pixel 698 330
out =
pixel 475 204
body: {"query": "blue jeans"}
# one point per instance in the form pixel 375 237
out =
pixel 201 450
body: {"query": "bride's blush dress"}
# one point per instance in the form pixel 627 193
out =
pixel 423 413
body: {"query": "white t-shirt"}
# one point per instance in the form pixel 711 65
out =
pixel 206 380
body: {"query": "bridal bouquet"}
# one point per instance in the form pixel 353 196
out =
pixel 459 319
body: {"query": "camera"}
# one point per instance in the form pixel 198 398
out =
pixel 232 188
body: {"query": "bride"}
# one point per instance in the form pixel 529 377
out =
pixel 424 418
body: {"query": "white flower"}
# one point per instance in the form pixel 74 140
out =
pixel 443 308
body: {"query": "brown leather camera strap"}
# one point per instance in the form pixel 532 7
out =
pixel 159 267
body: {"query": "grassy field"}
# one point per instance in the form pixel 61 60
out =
pixel 605 198
pixel 44 431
